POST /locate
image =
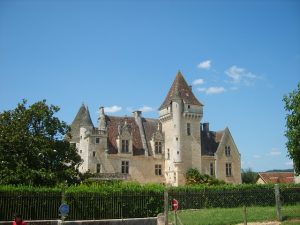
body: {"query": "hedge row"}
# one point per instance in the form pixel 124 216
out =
pixel 125 200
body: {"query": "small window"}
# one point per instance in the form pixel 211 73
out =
pixel 227 151
pixel 125 167
pixel 94 154
pixel 189 106
pixel 97 141
pixel 188 129
pixel 177 139
pixel 80 151
pixel 168 156
pixel 211 168
pixel 125 146
pixel 98 169
pixel 158 170
pixel 228 170
pixel 158 147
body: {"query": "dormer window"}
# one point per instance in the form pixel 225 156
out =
pixel 158 147
pixel 125 146
pixel 227 151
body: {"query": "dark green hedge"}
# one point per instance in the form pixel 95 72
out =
pixel 125 200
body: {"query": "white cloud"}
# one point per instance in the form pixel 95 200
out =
pixel 198 81
pixel 274 152
pixel 212 90
pixel 205 65
pixel 146 109
pixel 256 156
pixel 239 75
pixel 113 109
pixel 289 163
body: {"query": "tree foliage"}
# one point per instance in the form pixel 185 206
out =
pixel 292 106
pixel 248 176
pixel 193 176
pixel 33 148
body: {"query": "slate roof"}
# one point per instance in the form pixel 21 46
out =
pixel 210 142
pixel 137 147
pixel 82 118
pixel 276 177
pixel 180 89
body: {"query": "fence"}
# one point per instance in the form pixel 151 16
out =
pixel 126 204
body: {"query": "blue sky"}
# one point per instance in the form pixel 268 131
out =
pixel 240 56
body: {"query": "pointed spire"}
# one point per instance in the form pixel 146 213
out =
pixel 79 116
pixel 86 119
pixel 180 89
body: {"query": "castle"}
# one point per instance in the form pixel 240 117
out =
pixel 157 150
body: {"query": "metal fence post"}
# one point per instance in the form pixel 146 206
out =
pixel 278 203
pixel 166 205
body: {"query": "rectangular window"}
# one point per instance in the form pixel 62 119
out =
pixel 168 156
pixel 227 151
pixel 211 168
pixel 94 154
pixel 228 170
pixel 125 167
pixel 188 129
pixel 125 146
pixel 97 141
pixel 80 151
pixel 158 170
pixel 98 169
pixel 158 147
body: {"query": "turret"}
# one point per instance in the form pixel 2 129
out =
pixel 180 115
pixel 102 122
pixel 177 117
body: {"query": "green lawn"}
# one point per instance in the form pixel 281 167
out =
pixel 227 216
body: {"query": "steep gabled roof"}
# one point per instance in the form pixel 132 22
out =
pixel 180 89
pixel 276 177
pixel 210 141
pixel 137 147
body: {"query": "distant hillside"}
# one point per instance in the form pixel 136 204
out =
pixel 287 170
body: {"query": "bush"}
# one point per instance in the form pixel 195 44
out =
pixel 193 177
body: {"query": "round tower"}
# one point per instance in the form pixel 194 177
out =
pixel 177 123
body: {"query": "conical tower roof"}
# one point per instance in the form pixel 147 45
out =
pixel 180 89
pixel 86 119
pixel 76 122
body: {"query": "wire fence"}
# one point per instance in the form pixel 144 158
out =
pixel 86 206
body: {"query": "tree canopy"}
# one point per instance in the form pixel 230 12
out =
pixel 33 146
pixel 193 176
pixel 292 106
pixel 248 176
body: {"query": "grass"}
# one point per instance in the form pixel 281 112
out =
pixel 226 216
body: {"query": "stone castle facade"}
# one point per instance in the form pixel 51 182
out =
pixel 157 150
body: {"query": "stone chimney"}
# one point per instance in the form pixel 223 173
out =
pixel 137 114
pixel 102 122
pixel 138 119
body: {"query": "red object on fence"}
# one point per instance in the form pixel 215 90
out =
pixel 175 204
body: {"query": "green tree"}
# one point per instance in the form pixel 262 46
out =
pixel 292 106
pixel 33 146
pixel 193 176
pixel 248 176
